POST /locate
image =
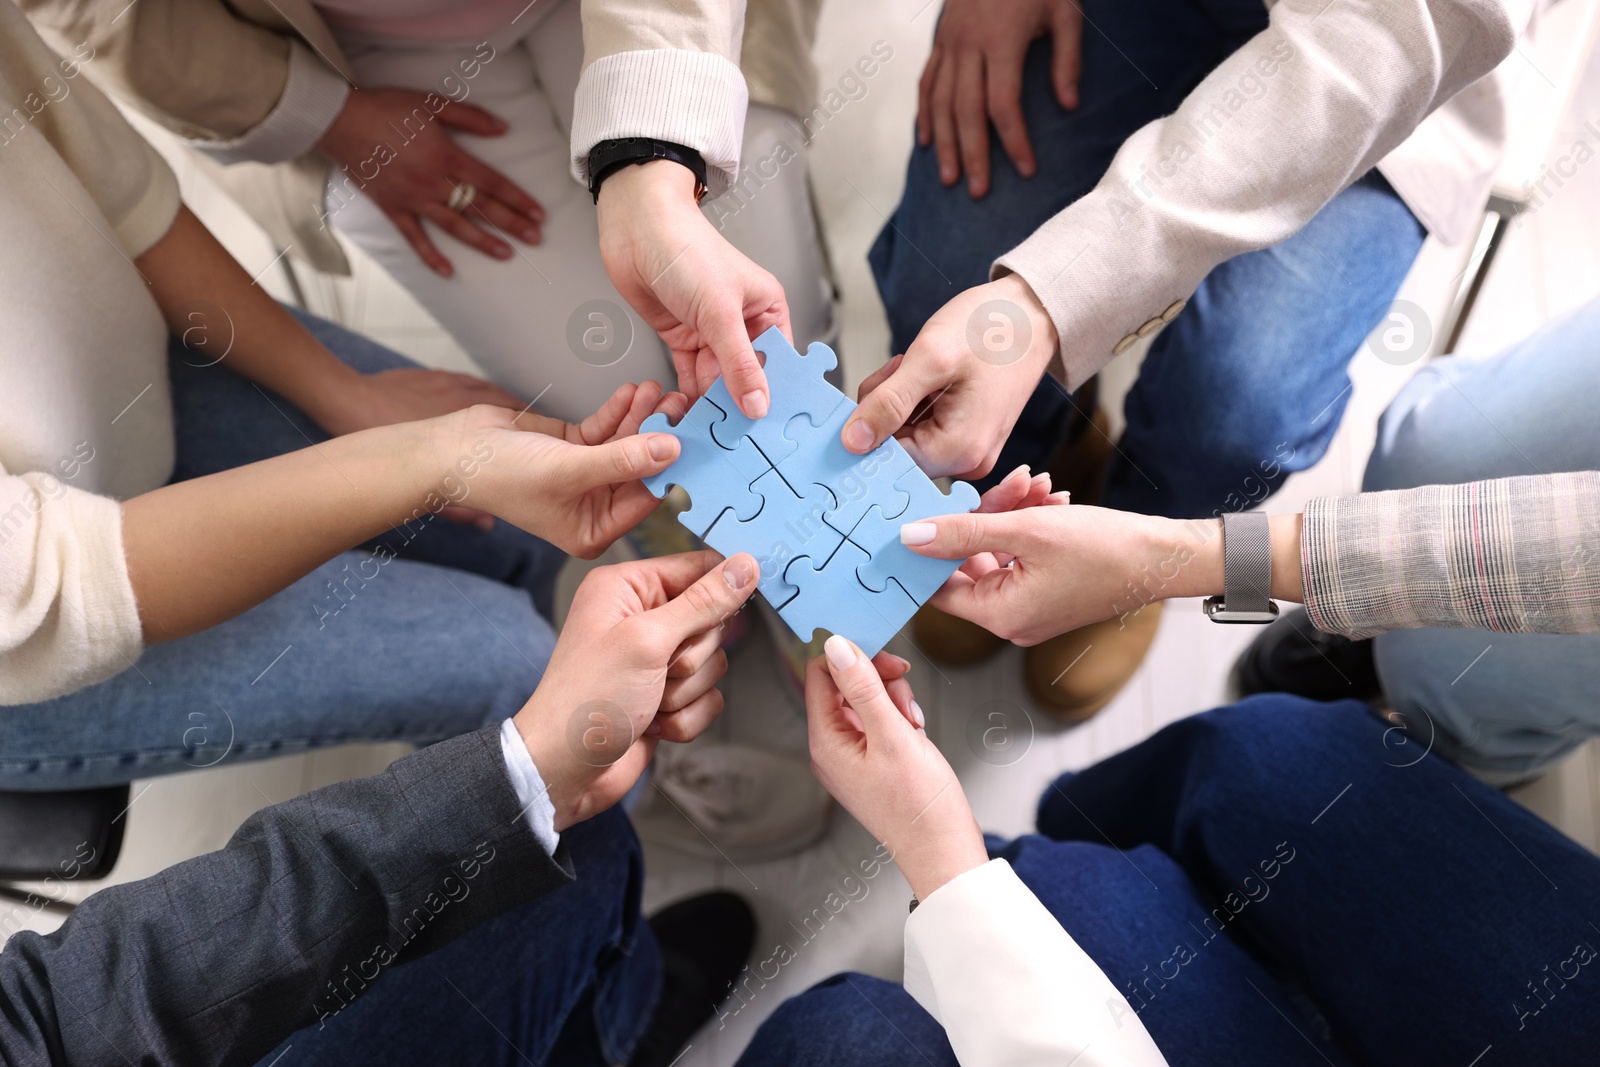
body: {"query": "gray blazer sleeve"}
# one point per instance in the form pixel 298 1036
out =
pixel 218 959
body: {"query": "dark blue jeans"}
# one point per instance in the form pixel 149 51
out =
pixel 569 979
pixel 1282 882
pixel 450 634
pixel 1249 382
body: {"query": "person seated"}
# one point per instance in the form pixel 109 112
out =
pixel 177 582
pixel 1244 184
pixel 478 900
pixel 444 139
pixel 1527 701
pixel 1275 882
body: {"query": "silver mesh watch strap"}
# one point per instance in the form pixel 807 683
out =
pixel 1246 570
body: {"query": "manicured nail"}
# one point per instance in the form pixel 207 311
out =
pixel 916 714
pixel 661 446
pixel 1022 468
pixel 918 533
pixel 841 653
pixel 754 404
pixel 858 436
pixel 739 573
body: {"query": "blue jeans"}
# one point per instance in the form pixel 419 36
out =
pixel 1274 883
pixel 1502 705
pixel 438 641
pixel 1249 382
pixel 569 979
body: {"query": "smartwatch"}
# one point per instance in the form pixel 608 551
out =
pixel 1246 571
pixel 608 157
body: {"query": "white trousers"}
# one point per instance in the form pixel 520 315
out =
pixel 548 323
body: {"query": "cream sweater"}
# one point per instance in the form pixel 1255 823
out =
pixel 85 416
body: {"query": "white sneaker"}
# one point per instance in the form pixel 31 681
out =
pixel 724 800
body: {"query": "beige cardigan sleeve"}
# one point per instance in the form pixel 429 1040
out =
pixel 668 71
pixel 239 90
pixel 1277 130
pixel 67 613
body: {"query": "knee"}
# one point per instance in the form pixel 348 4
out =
pixel 830 1023
pixel 1265 745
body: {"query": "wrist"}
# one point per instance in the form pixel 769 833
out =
pixel 929 867
pixel 1014 288
pixel 553 762
pixel 1287 581
pixel 653 185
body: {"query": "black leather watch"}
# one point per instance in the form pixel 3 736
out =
pixel 1246 571
pixel 608 157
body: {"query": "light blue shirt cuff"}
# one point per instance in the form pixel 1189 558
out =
pixel 531 792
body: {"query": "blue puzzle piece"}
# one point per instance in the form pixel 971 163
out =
pixel 786 529
pixel 716 478
pixel 796 386
pixel 822 522
pixel 834 599
pixel 879 537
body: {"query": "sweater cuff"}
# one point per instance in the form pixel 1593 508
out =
pixel 696 99
pixel 1086 269
pixel 313 96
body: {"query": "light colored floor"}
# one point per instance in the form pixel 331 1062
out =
pixel 1549 264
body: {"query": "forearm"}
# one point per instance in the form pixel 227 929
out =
pixel 202 551
pixel 1516 555
pixel 211 304
pixel 1271 135
pixel 218 959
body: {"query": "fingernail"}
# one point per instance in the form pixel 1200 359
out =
pixel 503 251
pixel 660 446
pixel 918 533
pixel 841 653
pixel 1022 468
pixel 739 572
pixel 653 730
pixel 530 233
pixel 916 715
pixel 754 404
pixel 858 436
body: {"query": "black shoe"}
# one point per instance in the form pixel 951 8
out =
pixel 705 942
pixel 1292 656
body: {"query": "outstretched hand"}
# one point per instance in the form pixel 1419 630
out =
pixel 704 297
pixel 574 484
pixel 869 749
pixel 637 663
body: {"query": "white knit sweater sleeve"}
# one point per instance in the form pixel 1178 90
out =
pixel 1010 986
pixel 667 71
pixel 67 613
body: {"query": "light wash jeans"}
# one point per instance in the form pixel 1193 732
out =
pixel 1502 705
pixel 436 642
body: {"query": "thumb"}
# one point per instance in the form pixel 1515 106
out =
pixel 888 406
pixel 622 460
pixel 960 536
pixel 864 690
pixel 472 119
pixel 709 602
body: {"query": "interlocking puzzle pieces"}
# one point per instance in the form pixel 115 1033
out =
pixel 822 522
pixel 889 561
pixel 722 476
pixel 797 388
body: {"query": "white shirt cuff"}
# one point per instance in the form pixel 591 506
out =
pixel 312 98
pixel 696 99
pixel 1010 986
pixel 532 795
